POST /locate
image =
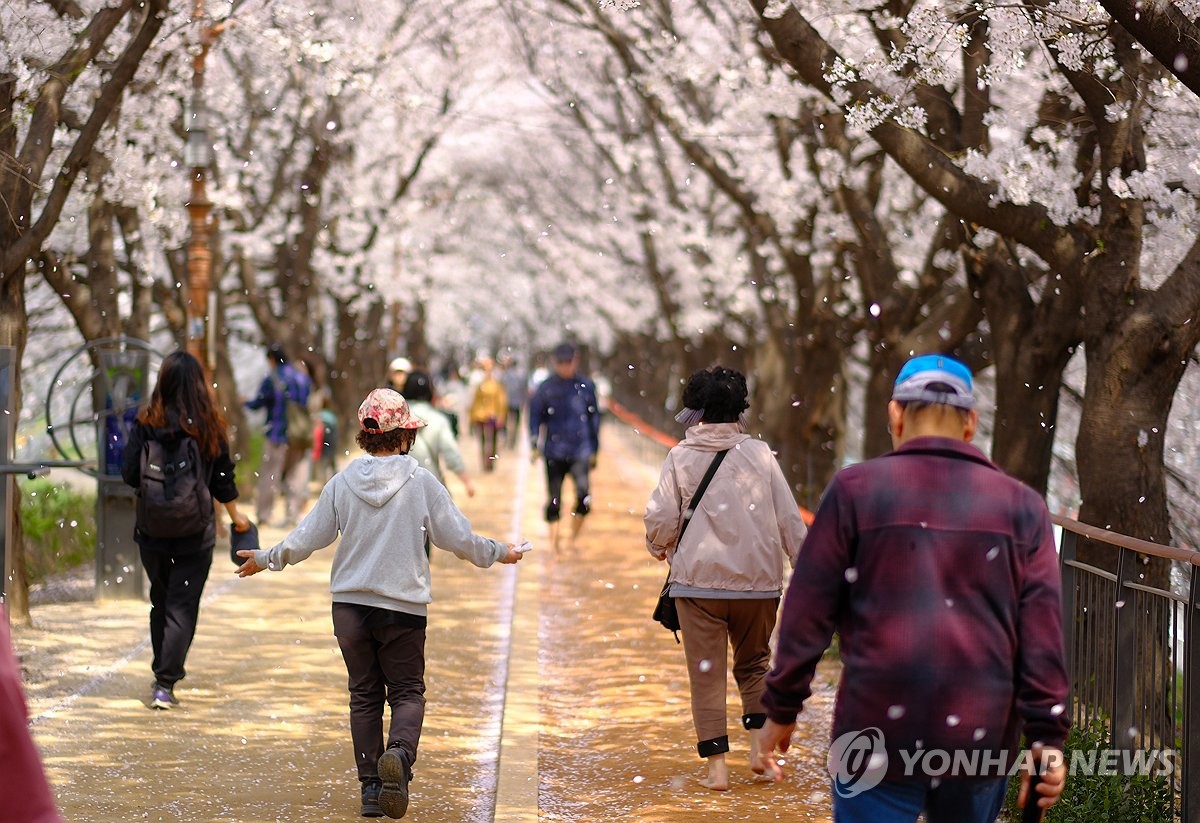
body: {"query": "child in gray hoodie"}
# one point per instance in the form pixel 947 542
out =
pixel 382 505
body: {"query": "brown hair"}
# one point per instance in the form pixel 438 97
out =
pixel 397 440
pixel 182 398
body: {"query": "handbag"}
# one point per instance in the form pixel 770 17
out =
pixel 664 610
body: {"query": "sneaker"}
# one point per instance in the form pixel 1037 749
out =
pixel 162 698
pixel 370 799
pixel 393 795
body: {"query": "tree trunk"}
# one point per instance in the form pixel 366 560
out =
pixel 1031 346
pixel 14 331
pixel 359 362
pixel 799 407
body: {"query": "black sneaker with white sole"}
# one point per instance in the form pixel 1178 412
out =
pixel 393 795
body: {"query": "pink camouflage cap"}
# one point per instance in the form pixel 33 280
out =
pixel 386 410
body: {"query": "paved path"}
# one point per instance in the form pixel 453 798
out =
pixel 551 694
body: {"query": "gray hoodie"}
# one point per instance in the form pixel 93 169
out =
pixel 383 507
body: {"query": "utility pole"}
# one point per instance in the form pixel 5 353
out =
pixel 201 298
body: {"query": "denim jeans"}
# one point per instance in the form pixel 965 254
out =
pixel 952 801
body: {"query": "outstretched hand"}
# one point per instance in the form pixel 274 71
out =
pixel 250 566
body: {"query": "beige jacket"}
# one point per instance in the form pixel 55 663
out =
pixel 747 521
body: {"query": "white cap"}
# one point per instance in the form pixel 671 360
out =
pixel 400 364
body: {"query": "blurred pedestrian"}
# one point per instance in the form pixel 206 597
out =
pixel 285 458
pixel 489 408
pixel 516 392
pixel 23 785
pixel 435 446
pixel 727 571
pixel 382 505
pixel 940 575
pixel 398 371
pixel 565 406
pixel 181 406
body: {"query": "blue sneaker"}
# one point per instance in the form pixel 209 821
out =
pixel 162 698
pixel 393 795
pixel 370 799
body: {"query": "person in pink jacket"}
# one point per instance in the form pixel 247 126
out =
pixel 25 796
pixel 727 574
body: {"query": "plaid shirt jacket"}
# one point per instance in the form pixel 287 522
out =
pixel 940 575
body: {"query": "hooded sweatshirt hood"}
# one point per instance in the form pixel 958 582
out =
pixel 375 480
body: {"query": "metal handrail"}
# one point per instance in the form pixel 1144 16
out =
pixel 39 467
pixel 1125 541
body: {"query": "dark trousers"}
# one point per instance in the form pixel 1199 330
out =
pixel 176 584
pixel 384 661
pixel 512 426
pixel 488 445
pixel 556 472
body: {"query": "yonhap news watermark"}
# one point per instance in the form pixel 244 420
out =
pixel 859 760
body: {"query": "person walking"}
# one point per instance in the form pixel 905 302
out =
pixel 181 406
pixel 939 574
pixel 382 505
pixel 727 570
pixel 435 445
pixel 398 370
pixel 564 406
pixel 285 460
pixel 23 785
pixel 516 391
pixel 489 407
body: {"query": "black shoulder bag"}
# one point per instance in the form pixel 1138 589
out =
pixel 664 610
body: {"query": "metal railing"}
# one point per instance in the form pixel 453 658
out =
pixel 1132 652
pixel 1129 645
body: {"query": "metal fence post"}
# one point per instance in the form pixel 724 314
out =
pixel 1191 706
pixel 8 483
pixel 1124 653
pixel 1070 620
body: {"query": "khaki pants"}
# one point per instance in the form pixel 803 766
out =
pixel 709 626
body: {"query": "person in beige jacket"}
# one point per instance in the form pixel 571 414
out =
pixel 728 574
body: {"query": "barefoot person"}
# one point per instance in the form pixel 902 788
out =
pixel 727 571
pixel 382 505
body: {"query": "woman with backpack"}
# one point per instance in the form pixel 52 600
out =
pixel 177 457
pixel 727 572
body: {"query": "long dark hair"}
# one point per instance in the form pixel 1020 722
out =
pixel 182 397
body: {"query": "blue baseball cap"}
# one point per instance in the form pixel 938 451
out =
pixel 935 378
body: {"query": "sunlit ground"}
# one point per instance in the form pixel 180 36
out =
pixel 262 731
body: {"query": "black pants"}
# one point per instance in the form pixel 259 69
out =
pixel 556 471
pixel 488 445
pixel 385 660
pixel 176 585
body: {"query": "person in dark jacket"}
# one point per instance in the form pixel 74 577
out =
pixel 565 406
pixel 939 574
pixel 285 457
pixel 180 405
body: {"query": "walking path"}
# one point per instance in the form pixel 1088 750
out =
pixel 551 694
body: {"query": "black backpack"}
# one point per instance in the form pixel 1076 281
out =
pixel 173 499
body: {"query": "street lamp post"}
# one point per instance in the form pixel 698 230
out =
pixel 200 304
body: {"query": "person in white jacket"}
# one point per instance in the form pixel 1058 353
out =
pixel 382 505
pixel 727 575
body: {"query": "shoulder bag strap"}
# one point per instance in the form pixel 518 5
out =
pixel 700 490
pixel 695 501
